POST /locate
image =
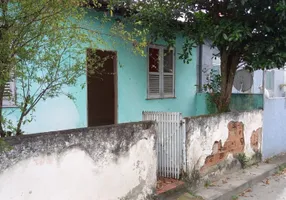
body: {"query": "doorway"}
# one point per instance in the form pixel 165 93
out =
pixel 101 87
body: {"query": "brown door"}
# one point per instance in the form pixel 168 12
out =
pixel 101 87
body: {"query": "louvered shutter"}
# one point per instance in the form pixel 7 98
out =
pixel 168 73
pixel 168 84
pixel 154 73
pixel 161 72
pixel 9 93
pixel 154 84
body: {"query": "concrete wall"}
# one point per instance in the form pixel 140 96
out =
pixel 213 141
pixel 112 162
pixel 274 132
pixel 274 113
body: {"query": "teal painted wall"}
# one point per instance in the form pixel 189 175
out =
pixel 62 113
pixel 132 81
pixel 239 102
pixel 132 87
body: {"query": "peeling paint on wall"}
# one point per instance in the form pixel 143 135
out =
pixel 214 140
pixel 112 162
pixel 256 140
pixel 233 145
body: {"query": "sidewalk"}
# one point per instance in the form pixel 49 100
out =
pixel 229 186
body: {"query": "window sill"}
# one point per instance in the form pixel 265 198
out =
pixel 10 106
pixel 158 98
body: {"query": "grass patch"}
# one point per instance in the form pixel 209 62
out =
pixel 234 197
pixel 243 160
pixel 208 183
pixel 281 169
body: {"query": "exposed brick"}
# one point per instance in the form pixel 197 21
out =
pixel 234 144
pixel 255 139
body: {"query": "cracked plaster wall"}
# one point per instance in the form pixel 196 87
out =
pixel 105 163
pixel 214 139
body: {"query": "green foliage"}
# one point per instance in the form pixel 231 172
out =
pixel 282 167
pixel 213 88
pixel 40 44
pixel 4 146
pixel 257 157
pixel 207 184
pixel 43 44
pixel 213 82
pixel 193 179
pixel 234 197
pixel 243 160
pixel 248 32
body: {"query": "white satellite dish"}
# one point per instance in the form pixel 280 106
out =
pixel 243 80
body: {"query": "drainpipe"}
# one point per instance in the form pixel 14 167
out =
pixel 200 66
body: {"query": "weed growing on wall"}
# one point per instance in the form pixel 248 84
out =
pixel 212 87
pixel 4 146
pixel 242 159
pixel 194 179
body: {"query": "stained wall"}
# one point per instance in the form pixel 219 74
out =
pixel 214 141
pixel 111 162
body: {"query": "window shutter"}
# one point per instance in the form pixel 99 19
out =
pixel 154 72
pixel 9 93
pixel 168 84
pixel 270 80
pixel 168 73
pixel 154 85
pixel 161 73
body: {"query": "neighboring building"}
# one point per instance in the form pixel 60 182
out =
pixel 274 113
pixel 211 61
pixel 208 60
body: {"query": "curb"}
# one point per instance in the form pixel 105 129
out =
pixel 236 186
pixel 241 188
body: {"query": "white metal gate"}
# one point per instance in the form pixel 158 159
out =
pixel 170 142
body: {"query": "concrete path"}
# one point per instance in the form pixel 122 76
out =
pixel 272 188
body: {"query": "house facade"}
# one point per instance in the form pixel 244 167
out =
pixel 130 84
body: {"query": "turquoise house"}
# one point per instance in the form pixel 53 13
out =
pixel 131 84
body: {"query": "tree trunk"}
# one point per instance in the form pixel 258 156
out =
pixel 23 114
pixel 2 133
pixel 229 63
pixel 4 60
pixel 19 124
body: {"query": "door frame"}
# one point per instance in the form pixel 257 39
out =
pixel 115 84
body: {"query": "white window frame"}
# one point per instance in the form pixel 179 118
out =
pixel 269 82
pixel 161 73
pixel 10 101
